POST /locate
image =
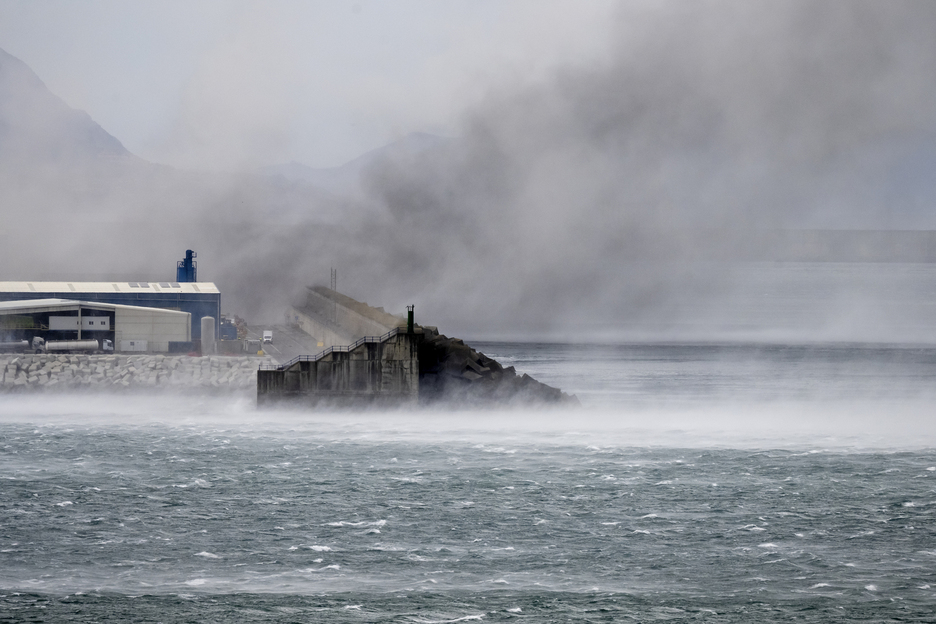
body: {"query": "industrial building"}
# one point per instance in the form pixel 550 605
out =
pixel 128 328
pixel 198 299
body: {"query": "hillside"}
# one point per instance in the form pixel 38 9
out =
pixel 37 127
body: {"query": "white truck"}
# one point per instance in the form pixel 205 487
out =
pixel 268 336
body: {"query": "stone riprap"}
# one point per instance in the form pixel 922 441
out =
pixel 44 372
pixel 452 372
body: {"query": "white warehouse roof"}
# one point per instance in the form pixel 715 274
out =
pixel 32 306
pixel 110 287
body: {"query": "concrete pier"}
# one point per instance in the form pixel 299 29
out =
pixel 373 357
pixel 380 371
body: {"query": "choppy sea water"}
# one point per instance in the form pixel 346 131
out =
pixel 722 483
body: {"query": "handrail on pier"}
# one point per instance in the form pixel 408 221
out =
pixel 333 349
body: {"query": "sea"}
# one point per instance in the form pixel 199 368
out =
pixel 697 482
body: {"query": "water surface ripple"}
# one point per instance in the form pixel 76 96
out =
pixel 717 483
pixel 222 518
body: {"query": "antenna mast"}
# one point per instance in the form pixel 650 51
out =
pixel 334 287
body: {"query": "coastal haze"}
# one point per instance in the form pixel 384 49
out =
pixel 629 190
pixel 710 221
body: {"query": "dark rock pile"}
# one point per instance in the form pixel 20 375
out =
pixel 452 372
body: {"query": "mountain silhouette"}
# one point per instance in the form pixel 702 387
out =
pixel 347 179
pixel 37 126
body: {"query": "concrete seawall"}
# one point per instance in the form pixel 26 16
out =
pixel 381 371
pixel 335 319
pixel 47 372
pixel 327 334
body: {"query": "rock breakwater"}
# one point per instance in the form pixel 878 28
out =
pixel 452 372
pixel 42 372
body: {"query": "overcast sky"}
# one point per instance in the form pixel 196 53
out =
pixel 226 84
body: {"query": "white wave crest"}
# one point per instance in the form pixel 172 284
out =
pixel 461 619
pixel 363 523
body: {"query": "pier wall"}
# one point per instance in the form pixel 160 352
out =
pixel 327 334
pixel 382 373
pixel 336 319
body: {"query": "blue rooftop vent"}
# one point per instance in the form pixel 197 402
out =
pixel 186 270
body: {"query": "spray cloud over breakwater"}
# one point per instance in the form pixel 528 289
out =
pixel 608 189
pixel 601 192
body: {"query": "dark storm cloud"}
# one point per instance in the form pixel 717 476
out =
pixel 714 119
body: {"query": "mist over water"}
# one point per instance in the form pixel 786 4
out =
pixel 736 395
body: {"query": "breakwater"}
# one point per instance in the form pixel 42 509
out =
pixel 452 372
pixel 398 363
pixel 28 372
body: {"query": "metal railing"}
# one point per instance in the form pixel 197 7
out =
pixel 333 349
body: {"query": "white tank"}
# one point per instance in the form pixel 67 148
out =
pixel 71 345
pixel 208 335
